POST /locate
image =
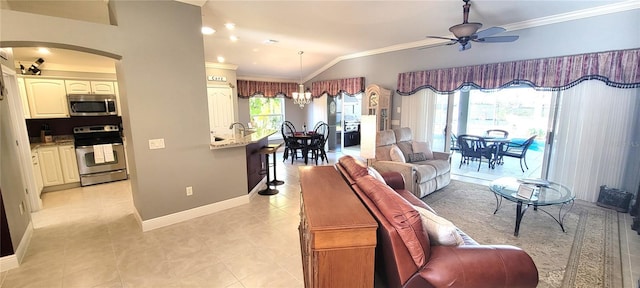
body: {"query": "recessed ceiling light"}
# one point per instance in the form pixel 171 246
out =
pixel 207 30
pixel 220 59
pixel 43 50
pixel 233 38
pixel 270 41
pixel 230 26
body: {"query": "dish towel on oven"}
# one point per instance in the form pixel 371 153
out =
pixel 98 154
pixel 107 149
pixel 103 153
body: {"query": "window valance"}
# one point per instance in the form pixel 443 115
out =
pixel 247 89
pixel 334 88
pixel 616 68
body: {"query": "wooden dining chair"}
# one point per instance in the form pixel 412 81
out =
pixel 318 142
pixel 291 144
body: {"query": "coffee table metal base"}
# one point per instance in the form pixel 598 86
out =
pixel 520 212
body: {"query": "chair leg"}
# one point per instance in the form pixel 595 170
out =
pixel 285 154
pixel 521 166
pixel 524 158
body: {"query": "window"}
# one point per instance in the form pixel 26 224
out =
pixel 266 112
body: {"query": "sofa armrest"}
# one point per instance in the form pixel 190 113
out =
pixel 480 266
pixel 394 180
pixel 442 156
pixel 407 170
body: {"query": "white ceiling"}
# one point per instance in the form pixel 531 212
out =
pixel 329 31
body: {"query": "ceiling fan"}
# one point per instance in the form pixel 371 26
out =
pixel 467 32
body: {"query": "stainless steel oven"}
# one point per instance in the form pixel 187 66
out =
pixel 100 154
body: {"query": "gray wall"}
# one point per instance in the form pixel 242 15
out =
pixel 594 34
pixel 162 82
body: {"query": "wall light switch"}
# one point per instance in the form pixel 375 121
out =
pixel 156 143
pixel 398 110
pixel 395 122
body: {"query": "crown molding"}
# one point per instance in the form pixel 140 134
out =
pixel 220 66
pixel 564 17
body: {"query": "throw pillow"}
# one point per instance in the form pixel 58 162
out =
pixel 417 157
pixel 396 154
pixel 441 231
pixel 376 174
pixel 419 146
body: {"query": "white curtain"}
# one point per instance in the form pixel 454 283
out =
pixel 417 114
pixel 594 137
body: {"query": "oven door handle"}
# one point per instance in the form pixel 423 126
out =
pixel 91 146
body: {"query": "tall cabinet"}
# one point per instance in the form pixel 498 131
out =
pixel 378 102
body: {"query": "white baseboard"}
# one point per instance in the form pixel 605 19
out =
pixel 13 261
pixel 181 216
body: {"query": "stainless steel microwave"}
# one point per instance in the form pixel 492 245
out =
pixel 92 105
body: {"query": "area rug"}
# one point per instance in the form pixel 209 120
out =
pixel 583 256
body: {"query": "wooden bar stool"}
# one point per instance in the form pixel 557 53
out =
pixel 270 149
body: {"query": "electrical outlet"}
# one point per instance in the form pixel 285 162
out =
pixel 189 191
pixel 156 143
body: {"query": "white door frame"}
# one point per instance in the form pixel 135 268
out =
pixel 19 131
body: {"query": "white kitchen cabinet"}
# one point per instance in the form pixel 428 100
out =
pixel 68 163
pixel 89 87
pixel 58 164
pixel 47 98
pixel 50 166
pixel 36 171
pixel 23 96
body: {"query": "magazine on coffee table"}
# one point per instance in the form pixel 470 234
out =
pixel 535 181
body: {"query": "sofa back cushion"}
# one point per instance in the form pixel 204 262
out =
pixel 402 216
pixel 384 141
pixel 355 168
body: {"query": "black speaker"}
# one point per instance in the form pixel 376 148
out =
pixel 614 199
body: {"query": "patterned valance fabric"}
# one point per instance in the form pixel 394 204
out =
pixel 247 89
pixel 619 69
pixel 334 88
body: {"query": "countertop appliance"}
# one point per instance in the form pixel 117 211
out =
pixel 92 104
pixel 100 154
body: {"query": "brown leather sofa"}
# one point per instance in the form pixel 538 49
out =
pixel 404 256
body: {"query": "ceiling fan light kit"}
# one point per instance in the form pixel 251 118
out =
pixel 466 32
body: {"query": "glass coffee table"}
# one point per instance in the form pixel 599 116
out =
pixel 546 194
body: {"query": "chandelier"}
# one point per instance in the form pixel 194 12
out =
pixel 301 97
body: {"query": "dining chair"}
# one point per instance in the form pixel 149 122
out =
pixel 454 143
pixel 318 142
pixel 519 150
pixel 291 144
pixel 474 148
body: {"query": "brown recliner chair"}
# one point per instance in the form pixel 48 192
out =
pixel 404 256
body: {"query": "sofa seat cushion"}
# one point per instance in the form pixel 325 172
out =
pixel 402 216
pixel 425 172
pixel 441 166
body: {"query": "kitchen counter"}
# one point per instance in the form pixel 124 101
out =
pixel 35 145
pixel 238 140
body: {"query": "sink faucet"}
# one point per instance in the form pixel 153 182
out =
pixel 238 123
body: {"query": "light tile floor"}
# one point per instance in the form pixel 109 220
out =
pixel 88 237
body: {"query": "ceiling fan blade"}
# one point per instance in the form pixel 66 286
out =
pixel 436 45
pixel 445 38
pixel 489 31
pixel 497 39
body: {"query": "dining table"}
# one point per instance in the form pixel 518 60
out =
pixel 304 138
